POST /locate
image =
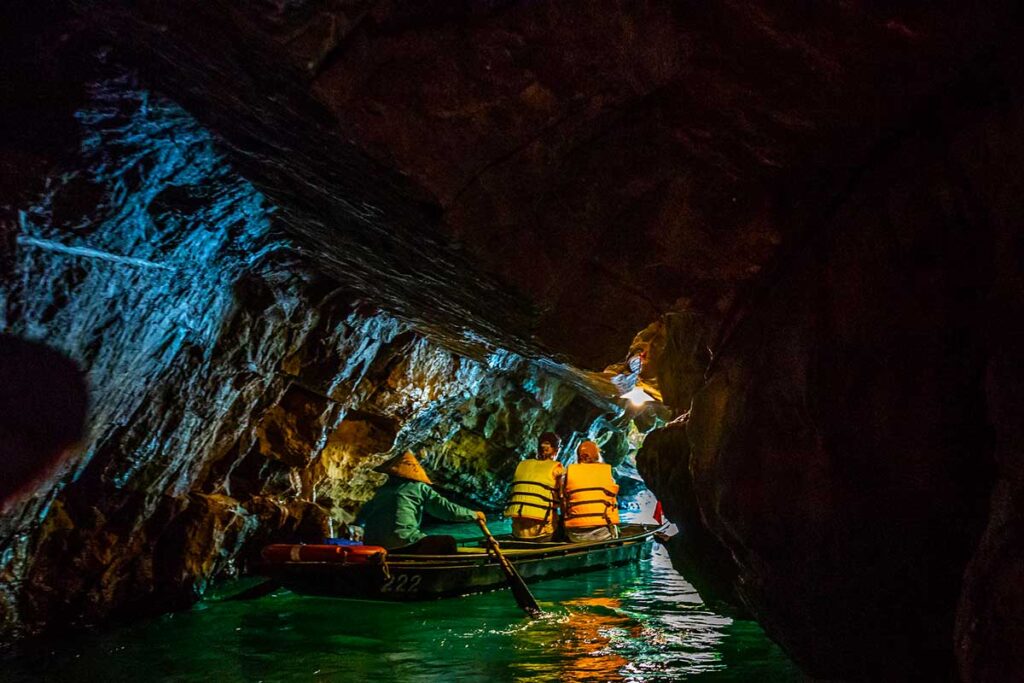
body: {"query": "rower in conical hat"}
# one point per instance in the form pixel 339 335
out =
pixel 394 515
pixel 405 466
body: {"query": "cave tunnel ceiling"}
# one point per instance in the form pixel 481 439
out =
pixel 536 177
pixel 831 188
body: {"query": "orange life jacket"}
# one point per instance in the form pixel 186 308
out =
pixel 590 495
pixel 534 495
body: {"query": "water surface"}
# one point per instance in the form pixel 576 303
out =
pixel 635 623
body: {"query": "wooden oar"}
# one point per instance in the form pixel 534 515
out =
pixel 522 594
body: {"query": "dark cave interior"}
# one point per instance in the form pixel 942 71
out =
pixel 285 239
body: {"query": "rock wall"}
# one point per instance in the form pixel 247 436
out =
pixel 696 553
pixel 990 613
pixel 852 442
pixel 850 466
pixel 238 396
pixel 655 151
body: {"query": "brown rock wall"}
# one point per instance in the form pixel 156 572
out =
pixel 990 615
pixel 846 441
pixel 654 152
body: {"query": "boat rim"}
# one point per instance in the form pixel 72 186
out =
pixel 398 560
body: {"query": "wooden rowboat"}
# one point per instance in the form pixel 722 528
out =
pixel 398 577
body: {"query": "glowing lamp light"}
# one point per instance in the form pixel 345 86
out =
pixel 637 397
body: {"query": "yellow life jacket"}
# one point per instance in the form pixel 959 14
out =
pixel 590 495
pixel 533 491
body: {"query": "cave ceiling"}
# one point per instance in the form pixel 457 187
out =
pixel 550 177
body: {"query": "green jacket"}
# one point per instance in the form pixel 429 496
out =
pixel 393 516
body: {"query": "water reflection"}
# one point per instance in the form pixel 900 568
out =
pixel 586 643
pixel 635 623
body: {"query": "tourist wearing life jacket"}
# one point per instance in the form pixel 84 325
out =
pixel 393 516
pixel 591 507
pixel 536 492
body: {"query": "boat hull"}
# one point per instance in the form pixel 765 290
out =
pixel 425 577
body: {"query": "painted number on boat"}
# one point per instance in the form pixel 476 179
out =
pixel 402 583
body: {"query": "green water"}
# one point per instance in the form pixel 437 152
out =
pixel 637 623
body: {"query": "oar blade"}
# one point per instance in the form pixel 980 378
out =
pixel 524 598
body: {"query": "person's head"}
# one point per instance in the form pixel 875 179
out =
pixel 548 444
pixel 588 452
pixel 404 466
pixel 43 407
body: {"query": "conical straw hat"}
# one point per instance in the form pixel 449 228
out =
pixel 406 466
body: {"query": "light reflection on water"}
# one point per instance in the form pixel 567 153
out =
pixel 636 623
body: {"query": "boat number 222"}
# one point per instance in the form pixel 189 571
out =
pixel 401 583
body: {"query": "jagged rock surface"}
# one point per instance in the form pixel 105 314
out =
pixel 654 151
pixel 851 429
pixel 602 167
pixel 696 553
pixel 238 396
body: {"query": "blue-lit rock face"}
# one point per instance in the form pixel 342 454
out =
pixel 655 153
pixel 147 260
pixel 237 395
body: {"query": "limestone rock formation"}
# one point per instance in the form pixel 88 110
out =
pixel 285 237
pixel 238 396
pixel 852 427
pixel 559 145
pixel 697 553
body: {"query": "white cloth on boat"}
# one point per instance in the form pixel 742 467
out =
pixel 600 533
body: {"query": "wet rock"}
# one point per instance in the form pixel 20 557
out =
pixel 234 386
pixel 284 520
pixel 200 542
pixel 292 431
pixel 340 470
pixel 705 561
pixel 615 447
pixel 683 359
